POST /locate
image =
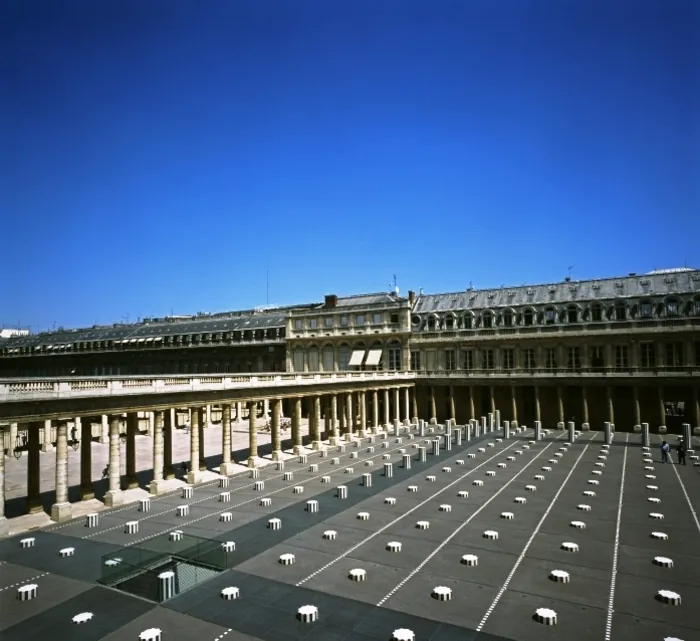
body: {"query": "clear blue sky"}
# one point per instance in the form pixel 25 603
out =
pixel 163 154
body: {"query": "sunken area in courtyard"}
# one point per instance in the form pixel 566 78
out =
pixel 495 538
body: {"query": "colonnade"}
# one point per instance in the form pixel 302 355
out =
pixel 340 415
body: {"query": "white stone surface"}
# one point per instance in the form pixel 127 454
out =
pixel 470 560
pixel 559 576
pixel 83 617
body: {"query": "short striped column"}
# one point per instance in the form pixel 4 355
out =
pixel 92 520
pixel 144 505
pixel 422 454
pixel 406 461
pixel 367 480
pixel 166 586
pixel 389 468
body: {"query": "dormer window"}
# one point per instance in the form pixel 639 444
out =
pixel 645 309
pixel 528 318
pixel 508 319
pixel 572 314
pixel 487 320
pixel 449 322
pixel 596 313
pixel 550 316
pixel 671 308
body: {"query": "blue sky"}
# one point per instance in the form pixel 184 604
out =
pixel 164 155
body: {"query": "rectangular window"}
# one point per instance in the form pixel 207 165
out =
pixel 328 321
pixel 450 360
pixel 298 361
pixel 486 359
pixel 430 357
pixel 376 319
pixel 312 357
pixel 328 359
pixel 468 359
pixel 674 354
pixel 647 355
pixel 551 358
pixel 395 358
pixel 298 323
pixel 621 359
pixel 415 361
pixel 343 358
pixel 671 308
pixel 645 310
pixel 313 323
pixel 550 317
pixel 573 361
pixel 508 319
pixel 529 359
pixel 508 358
pixel 394 319
pixel 359 320
pixel 343 321
pixel 597 359
pixel 596 313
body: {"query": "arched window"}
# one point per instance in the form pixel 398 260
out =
pixel 596 313
pixel 343 357
pixel 696 306
pixel 487 320
pixel 298 360
pixel 550 316
pixel 328 358
pixel 449 322
pixel 671 308
pixel 572 314
pixel 312 357
pixel 528 317
pixel 507 318
pixel 620 311
pixel 431 323
pixel 468 321
pixel 645 309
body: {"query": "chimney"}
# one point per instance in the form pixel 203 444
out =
pixel 331 300
pixel 411 297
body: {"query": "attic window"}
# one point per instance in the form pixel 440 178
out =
pixel 552 289
pixel 644 281
pixel 695 277
pixel 573 288
pixel 492 295
pixel 472 296
pixel 669 280
pixel 530 292
pixel 619 284
pixel 595 286
pixel 511 293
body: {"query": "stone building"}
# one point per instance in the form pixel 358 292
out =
pixel 621 349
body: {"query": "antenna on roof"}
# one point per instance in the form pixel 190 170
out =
pixel 570 268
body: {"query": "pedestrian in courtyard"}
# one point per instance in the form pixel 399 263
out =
pixel 184 468
pixel 665 448
pixel 681 452
pixel 105 472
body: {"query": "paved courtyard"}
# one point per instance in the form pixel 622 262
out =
pixel 533 495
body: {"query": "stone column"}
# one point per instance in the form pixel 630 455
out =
pixel 341 415
pixel 492 398
pixel 104 434
pixel 34 503
pixel 158 458
pixel 572 431
pixel 662 408
pixel 472 413
pixel 375 410
pixel 645 435
pixel 13 436
pixel 585 424
pixel 611 407
pixel 387 410
pixel 207 421
pixel 114 495
pixel 252 434
pixel 334 419
pixel 397 408
pixel 350 417
pixel 276 440
pixel 239 412
pixel 414 400
pixel 637 412
pixel 194 475
pixel 296 427
pixel 168 471
pixel 538 414
pixel 362 399
pixel 46 445
pixel 132 422
pixel 514 401
pixel 61 509
pixel 406 406
pixel 151 423
pixel 696 406
pixel 202 424
pixel 4 527
pixel 452 402
pixel 608 432
pixel 86 490
pixel 433 408
pixel 560 403
pixel 316 418
pixel 226 468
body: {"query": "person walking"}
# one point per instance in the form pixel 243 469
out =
pixel 664 452
pixel 681 449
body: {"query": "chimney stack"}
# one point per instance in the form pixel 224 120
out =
pixel 331 300
pixel 411 297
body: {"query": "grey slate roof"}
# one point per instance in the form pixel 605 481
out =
pixel 145 330
pixel 365 300
pixel 666 282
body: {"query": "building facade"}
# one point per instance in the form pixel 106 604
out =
pixel 620 349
